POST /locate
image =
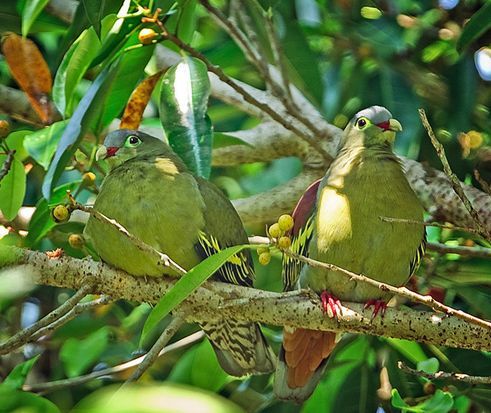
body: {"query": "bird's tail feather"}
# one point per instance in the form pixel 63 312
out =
pixel 240 347
pixel 302 362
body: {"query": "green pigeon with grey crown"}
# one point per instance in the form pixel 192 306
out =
pixel 339 221
pixel 151 193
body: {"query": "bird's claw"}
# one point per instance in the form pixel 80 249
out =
pixel 379 306
pixel 330 304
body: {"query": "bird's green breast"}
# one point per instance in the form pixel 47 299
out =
pixel 155 203
pixel 349 232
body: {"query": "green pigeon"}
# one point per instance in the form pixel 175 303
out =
pixel 338 221
pixel 151 193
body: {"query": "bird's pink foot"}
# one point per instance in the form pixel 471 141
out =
pixel 379 306
pixel 329 302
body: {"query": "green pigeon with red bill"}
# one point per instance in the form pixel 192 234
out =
pixel 338 221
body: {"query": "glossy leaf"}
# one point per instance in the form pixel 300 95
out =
pixel 21 401
pixel 87 111
pixel 440 402
pixel 31 72
pixel 41 145
pixel 32 9
pixel 139 99
pixel 186 285
pixel 12 188
pixel 222 140
pixel 475 27
pixel 17 376
pixel 183 104
pixel 94 10
pixel 429 366
pixel 72 69
pixel 186 23
pixel 78 355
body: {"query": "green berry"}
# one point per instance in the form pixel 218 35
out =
pixel 264 258
pixel 284 242
pixel 76 241
pixel 275 231
pixel 285 222
pixel 262 250
pixel 60 213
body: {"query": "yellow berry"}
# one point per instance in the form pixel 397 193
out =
pixel 4 128
pixel 275 231
pixel 88 178
pixel 285 222
pixel 284 242
pixel 146 36
pixel 264 258
pixel 261 250
pixel 76 241
pixel 60 213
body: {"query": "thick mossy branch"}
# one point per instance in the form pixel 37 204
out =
pixel 217 300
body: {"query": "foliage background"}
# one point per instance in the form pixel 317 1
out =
pixel 344 56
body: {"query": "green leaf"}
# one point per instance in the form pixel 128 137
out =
pixel 440 402
pixel 222 140
pixel 17 376
pixel 41 145
pixel 31 10
pixel 429 366
pixel 183 104
pixel 479 23
pixel 186 23
pixel 409 349
pixel 78 355
pixel 20 401
pixel 94 10
pixel 206 373
pixel 87 111
pixel 41 222
pixel 12 188
pixel 72 69
pixel 186 285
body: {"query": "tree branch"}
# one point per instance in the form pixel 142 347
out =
pixel 215 300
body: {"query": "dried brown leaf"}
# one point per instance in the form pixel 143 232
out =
pixel 138 101
pixel 31 72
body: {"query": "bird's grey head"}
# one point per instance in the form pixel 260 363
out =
pixel 124 144
pixel 371 127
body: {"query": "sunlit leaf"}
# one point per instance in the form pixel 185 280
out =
pixel 440 402
pixel 31 10
pixel 17 376
pixel 183 104
pixel 31 72
pixel 21 401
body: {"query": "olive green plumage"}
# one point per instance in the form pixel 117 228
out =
pixel 343 227
pixel 151 193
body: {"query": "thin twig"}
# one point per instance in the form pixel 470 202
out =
pixel 400 291
pixel 457 187
pixel 478 252
pixel 431 224
pixel 281 119
pixel 75 311
pixel 24 336
pixel 255 58
pixel 7 164
pixel 164 259
pixel 484 185
pixel 76 381
pixel 442 375
pixel 153 354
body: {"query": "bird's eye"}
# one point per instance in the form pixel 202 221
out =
pixel 361 123
pixel 133 141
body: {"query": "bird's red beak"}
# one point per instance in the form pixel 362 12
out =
pixel 384 125
pixel 111 151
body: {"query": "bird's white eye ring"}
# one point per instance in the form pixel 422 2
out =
pixel 133 141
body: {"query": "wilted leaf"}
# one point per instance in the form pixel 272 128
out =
pixel 138 101
pixel 31 72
